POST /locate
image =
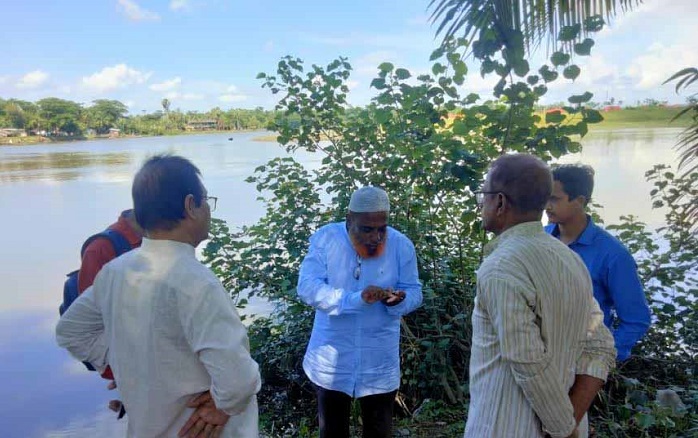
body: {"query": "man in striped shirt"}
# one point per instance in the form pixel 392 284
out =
pixel 540 350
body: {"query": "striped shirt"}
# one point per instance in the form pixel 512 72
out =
pixel 536 326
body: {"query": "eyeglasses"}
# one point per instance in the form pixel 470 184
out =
pixel 357 270
pixel 480 196
pixel 212 201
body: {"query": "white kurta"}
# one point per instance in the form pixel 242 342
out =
pixel 168 329
pixel 536 325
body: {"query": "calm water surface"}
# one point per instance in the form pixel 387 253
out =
pixel 54 196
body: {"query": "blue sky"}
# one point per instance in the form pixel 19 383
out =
pixel 206 53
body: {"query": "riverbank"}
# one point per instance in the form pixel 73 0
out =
pixel 636 117
pixel 37 139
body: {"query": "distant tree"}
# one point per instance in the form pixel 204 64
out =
pixel 105 114
pixel 166 105
pixel 59 115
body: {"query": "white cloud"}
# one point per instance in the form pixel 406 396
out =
pixel 167 85
pixel 135 12
pixel 269 46
pixel 232 89
pixel 117 76
pixel 4 79
pixel 193 96
pixel 659 63
pixel 352 85
pixel 173 95
pixel 32 79
pixel 177 5
pixel 232 97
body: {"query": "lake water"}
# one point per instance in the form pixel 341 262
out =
pixel 54 196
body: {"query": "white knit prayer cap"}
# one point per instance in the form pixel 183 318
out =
pixel 369 199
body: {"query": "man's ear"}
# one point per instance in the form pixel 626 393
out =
pixel 190 207
pixel 501 201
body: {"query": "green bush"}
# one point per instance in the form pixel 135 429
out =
pixel 428 147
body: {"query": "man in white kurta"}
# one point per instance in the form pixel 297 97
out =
pixel 168 329
pixel 540 350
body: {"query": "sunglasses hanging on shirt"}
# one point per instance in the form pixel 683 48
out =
pixel 357 270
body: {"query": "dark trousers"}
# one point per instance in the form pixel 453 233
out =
pixel 334 410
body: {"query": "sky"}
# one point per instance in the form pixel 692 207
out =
pixel 206 53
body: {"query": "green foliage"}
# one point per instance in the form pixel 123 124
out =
pixel 104 114
pixel 60 117
pixel 656 392
pixel 536 20
pixel 647 397
pixel 428 147
pixel 667 265
pixel 688 141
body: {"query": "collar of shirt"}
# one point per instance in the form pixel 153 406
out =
pixel 167 246
pixel 519 230
pixel 586 237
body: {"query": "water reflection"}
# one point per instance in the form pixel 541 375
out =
pixel 56 166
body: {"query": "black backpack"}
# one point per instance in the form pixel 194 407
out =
pixel 70 288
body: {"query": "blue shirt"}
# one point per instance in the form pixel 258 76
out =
pixel 617 286
pixel 355 347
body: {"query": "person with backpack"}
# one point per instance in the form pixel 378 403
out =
pixel 101 251
pixel 98 250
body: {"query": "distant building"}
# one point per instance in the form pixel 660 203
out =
pixel 608 108
pixel 201 125
pixel 12 132
pixel 114 132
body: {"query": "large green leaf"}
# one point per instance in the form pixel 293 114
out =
pixel 569 33
pixel 571 72
pixel 580 98
pixel 559 58
pixel 386 67
pixel 584 48
pixel 402 74
pixel 554 117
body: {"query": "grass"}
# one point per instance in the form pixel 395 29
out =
pixel 266 138
pixel 641 117
pixel 645 117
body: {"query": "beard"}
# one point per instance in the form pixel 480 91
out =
pixel 365 252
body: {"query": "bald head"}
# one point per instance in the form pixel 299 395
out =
pixel 525 179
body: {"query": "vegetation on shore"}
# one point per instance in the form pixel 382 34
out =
pixel 52 120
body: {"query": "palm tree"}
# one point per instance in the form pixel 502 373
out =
pixel 688 140
pixel 535 19
pixel 165 105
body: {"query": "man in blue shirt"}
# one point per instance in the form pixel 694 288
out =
pixel 361 277
pixel 613 270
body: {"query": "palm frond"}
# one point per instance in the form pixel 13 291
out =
pixel 536 19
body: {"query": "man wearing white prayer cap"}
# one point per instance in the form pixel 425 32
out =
pixel 360 276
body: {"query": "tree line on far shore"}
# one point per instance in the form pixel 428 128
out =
pixel 52 116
